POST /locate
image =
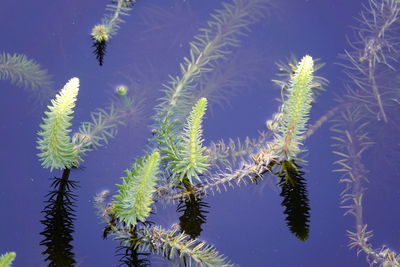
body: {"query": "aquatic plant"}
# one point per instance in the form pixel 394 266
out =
pixel 135 195
pixel 351 142
pixel 54 142
pixel 102 33
pixel 287 68
pixel 177 245
pixel 171 171
pixel 7 259
pixel 295 108
pixel 171 244
pixel 26 73
pixel 373 52
pixel 187 159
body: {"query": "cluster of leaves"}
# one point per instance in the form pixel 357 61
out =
pixel 296 108
pixel 135 195
pixel 54 142
pixel 212 44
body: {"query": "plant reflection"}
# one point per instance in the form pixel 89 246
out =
pixel 194 215
pixel 59 217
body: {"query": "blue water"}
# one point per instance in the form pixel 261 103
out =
pixel 245 223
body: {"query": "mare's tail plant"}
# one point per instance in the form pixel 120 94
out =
pixel 102 33
pixel 372 54
pixel 186 157
pixel 54 142
pixel 135 195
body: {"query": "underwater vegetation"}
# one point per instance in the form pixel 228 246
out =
pixel 176 162
pixel 102 33
pixel 372 56
pixel 57 149
pixel 179 166
pixel 371 65
pixel 26 73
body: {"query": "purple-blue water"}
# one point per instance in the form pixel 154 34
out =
pixel 245 223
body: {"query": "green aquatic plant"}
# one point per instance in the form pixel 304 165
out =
pixel 237 74
pixel 104 123
pixel 7 259
pixel 173 244
pixel 54 142
pixel 135 195
pixel 188 159
pixel 351 143
pixel 25 72
pixel 285 144
pixel 102 33
pixel 295 108
pixel 178 157
pixel 288 68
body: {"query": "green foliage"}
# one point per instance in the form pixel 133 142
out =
pixel 101 128
pixel 25 72
pixel 174 245
pixel 54 142
pixel 135 195
pixel 7 259
pixel 296 108
pixel 191 159
pixel 102 33
pixel 212 44
pixel 287 69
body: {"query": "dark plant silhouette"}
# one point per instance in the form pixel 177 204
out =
pixel 59 217
pixel 194 215
pixel 295 198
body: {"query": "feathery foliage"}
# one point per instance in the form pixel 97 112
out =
pixel 287 69
pixel 7 258
pixel 213 43
pixel 373 52
pixel 174 245
pixel 135 195
pixel 296 109
pixel 191 159
pixel 100 129
pixel 102 33
pixel 25 72
pixel 54 142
